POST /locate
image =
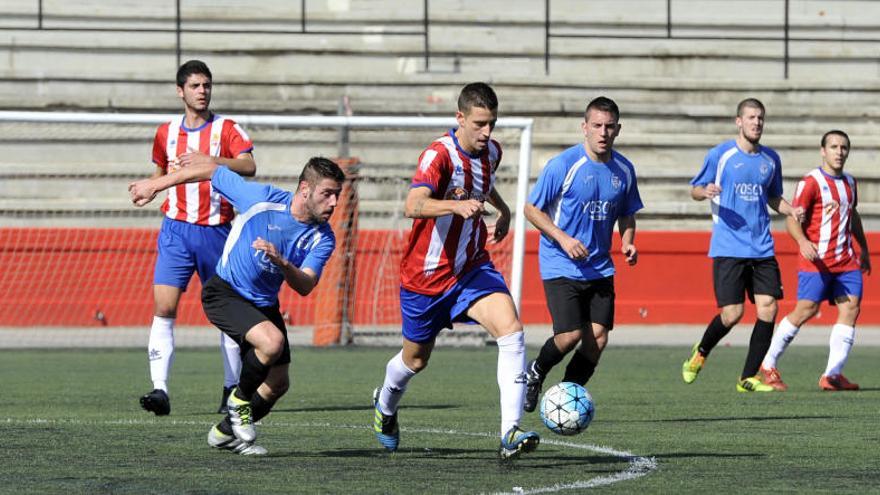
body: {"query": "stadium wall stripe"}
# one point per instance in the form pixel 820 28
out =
pixel 102 277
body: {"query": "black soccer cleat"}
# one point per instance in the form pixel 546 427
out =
pixel 157 402
pixel 223 409
pixel 534 381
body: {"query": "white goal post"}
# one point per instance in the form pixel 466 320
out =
pixel 523 125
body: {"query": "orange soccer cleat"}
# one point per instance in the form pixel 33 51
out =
pixel 836 382
pixel 771 376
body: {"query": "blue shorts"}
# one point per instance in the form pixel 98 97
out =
pixel 425 316
pixel 818 287
pixel 185 248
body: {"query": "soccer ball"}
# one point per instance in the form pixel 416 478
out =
pixel 567 408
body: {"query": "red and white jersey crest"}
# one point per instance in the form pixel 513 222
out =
pixel 198 202
pixel 442 249
pixel 828 203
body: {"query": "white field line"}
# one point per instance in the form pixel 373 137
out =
pixel 638 465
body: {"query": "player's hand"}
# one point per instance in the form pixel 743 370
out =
pixel 269 249
pixel 865 263
pixel 192 157
pixel 142 192
pixel 711 190
pixel 498 231
pixel 808 250
pixel 798 214
pixel 468 208
pixel 630 253
pixel 574 248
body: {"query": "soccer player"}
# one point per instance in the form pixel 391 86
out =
pixel 828 267
pixel 579 196
pixel 740 177
pixel 279 236
pixel 446 274
pixel 196 221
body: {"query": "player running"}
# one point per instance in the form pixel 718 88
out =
pixel 828 268
pixel 741 177
pixel 279 237
pixel 446 275
pixel 196 222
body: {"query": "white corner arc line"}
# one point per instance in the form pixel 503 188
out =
pixel 638 465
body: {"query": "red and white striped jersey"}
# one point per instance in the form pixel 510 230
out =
pixel 198 202
pixel 442 249
pixel 828 203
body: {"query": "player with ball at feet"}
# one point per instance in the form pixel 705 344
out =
pixel 578 198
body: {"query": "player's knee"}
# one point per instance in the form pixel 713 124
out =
pixel 165 310
pixel 417 363
pixel 730 315
pixel 272 345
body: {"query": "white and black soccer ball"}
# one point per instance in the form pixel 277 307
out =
pixel 567 408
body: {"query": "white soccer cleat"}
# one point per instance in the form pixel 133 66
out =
pixel 220 440
pixel 241 419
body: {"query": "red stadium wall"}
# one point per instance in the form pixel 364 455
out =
pixel 102 277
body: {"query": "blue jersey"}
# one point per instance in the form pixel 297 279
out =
pixel 584 199
pixel 741 222
pixel 264 211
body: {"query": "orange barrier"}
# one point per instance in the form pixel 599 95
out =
pixel 102 277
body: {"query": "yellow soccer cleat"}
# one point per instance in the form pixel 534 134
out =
pixel 753 384
pixel 692 366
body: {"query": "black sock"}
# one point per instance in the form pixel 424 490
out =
pixel 225 426
pixel 260 407
pixel 253 373
pixel 579 369
pixel 548 357
pixel 759 344
pixel 713 334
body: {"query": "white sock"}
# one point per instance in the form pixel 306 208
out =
pixel 397 376
pixel 840 343
pixel 785 333
pixel 160 351
pixel 511 378
pixel 231 354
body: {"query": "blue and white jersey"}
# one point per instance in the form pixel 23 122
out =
pixel 583 198
pixel 741 226
pixel 264 211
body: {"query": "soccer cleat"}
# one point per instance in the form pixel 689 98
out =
pixel 516 442
pixel 534 381
pixel 220 440
pixel 771 376
pixel 223 409
pixel 691 368
pixel 753 384
pixel 384 426
pixel 241 418
pixel 836 382
pixel 157 402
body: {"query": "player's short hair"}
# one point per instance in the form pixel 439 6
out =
pixel 834 132
pixel 749 103
pixel 477 94
pixel 318 168
pixel 192 67
pixel 602 104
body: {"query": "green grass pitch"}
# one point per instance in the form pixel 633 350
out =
pixel 71 424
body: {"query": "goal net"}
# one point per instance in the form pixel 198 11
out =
pixel 78 256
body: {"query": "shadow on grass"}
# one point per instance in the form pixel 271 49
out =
pixel 712 455
pixel 722 418
pixel 361 407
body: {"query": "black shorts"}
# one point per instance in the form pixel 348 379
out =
pixel 732 276
pixel 575 304
pixel 235 315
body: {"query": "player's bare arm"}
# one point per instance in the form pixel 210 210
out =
pixel 420 204
pixel 143 191
pixel 242 164
pixel 709 191
pixel 783 207
pixel 574 248
pixel 807 248
pixel 858 233
pixel 499 230
pixel 627 228
pixel 300 280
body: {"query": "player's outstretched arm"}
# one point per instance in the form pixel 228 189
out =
pixel 858 233
pixel 300 280
pixel 143 191
pixel 783 207
pixel 627 227
pixel 574 248
pixel 243 164
pixel 420 204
